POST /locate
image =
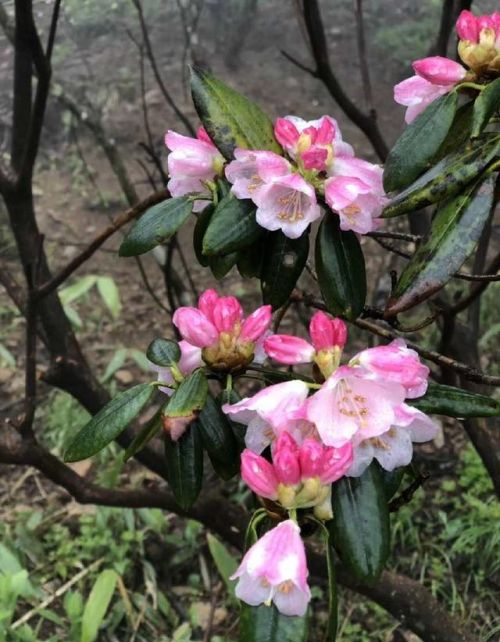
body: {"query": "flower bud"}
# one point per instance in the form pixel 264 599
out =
pixel 336 462
pixel 195 327
pixel 288 349
pixel 467 26
pixel 256 324
pixel 311 458
pixel 259 474
pixel 227 313
pixel 327 333
pixel 286 460
pixel 285 132
pixel 439 70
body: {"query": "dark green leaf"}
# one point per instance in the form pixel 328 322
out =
pixel 218 439
pixel 391 480
pixel 230 119
pixel 331 634
pixel 225 562
pixel 284 260
pixel 109 422
pixel 448 177
pixel 485 105
pixel 189 397
pixel 360 527
pixel 156 226
pixel 453 235
pixel 232 227
pixel 220 265
pixel 251 259
pixel 458 134
pixel 199 232
pixel 266 624
pixel 150 430
pixel 455 402
pixel 340 265
pixel 163 352
pixel 419 142
pixel 184 459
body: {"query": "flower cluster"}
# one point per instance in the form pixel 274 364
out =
pixel 317 166
pixel 479 49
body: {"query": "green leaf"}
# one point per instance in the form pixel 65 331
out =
pixel 109 422
pixel 230 119
pixel 458 134
pixel 485 105
pixel 283 263
pixel 419 142
pixel 117 361
pixel 190 396
pixel 225 562
pixel 331 634
pixel 76 290
pixel 163 352
pixel 448 177
pixel 455 402
pixel 251 259
pixel 360 527
pixel 97 604
pixel 392 479
pixel 218 439
pixel 108 290
pixel 266 624
pixel 340 265
pixel 232 227
pixel 156 226
pixel 184 459
pixel 148 432
pixel 6 356
pixel 220 265
pixel 200 228
pixel 453 235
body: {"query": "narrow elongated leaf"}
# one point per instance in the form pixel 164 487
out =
pixel 97 604
pixel 251 259
pixel 225 562
pixel 232 227
pixel 199 232
pixel 110 295
pixel 448 177
pixel 391 480
pixel 184 459
pixel 360 527
pixel 458 134
pixel 455 402
pixel 221 265
pixel 266 624
pixel 148 432
pixel 454 233
pixel 218 439
pixel 340 265
pixel 419 142
pixel 189 397
pixel 485 105
pixel 156 226
pixel 230 119
pixel 109 422
pixel 163 352
pixel 283 263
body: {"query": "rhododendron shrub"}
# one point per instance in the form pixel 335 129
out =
pixel 321 429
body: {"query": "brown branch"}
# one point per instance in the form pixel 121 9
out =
pixel 93 246
pixel 324 72
pixel 477 289
pixel 12 287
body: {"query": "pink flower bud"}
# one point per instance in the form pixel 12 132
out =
pixel 206 303
pixel 259 474
pixel 226 313
pixel 485 22
pixel 195 327
pixel 467 26
pixel 326 132
pixel 286 460
pixel 336 462
pixel 201 134
pixel 311 458
pixel 315 158
pixel 256 324
pixel 287 349
pixel 285 132
pixel 439 70
pixel 327 333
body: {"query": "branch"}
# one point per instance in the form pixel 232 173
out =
pixel 317 38
pixel 93 246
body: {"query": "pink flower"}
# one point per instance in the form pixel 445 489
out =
pixel 217 325
pixel 287 203
pixel 271 411
pixel 394 448
pixel 189 361
pixel 467 26
pixel 435 77
pixel 351 407
pixel 397 363
pixel 274 569
pixel 259 475
pixel 479 45
pixel 246 171
pixel 328 339
pixel 191 162
pixel 369 173
pixel 358 207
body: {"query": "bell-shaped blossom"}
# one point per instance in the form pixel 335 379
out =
pixel 435 76
pixel 479 45
pixel 191 162
pixel 396 362
pixel 394 448
pixel 218 327
pixel 352 407
pixel 287 203
pixel 274 569
pixel 190 360
pixel 247 171
pixel 328 337
pixel 270 412
pixel 358 207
